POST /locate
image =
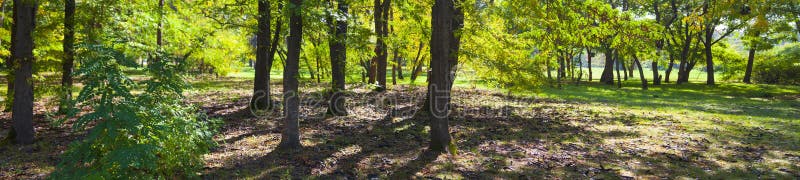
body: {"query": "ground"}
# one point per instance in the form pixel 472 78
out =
pixel 587 131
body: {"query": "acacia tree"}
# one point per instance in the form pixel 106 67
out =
pixel 290 137
pixel 22 55
pixel 338 54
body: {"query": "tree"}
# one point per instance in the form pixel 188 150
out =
pixel 69 54
pixel 443 21
pixel 338 55
pixel 381 19
pixel 261 93
pixel 290 138
pixel 22 55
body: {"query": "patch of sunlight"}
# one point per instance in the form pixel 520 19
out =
pixel 403 128
pixel 327 165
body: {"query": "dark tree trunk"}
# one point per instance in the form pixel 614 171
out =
pixel 624 69
pixel 69 55
pixel 684 57
pixel 549 70
pixel 22 55
pixel 159 29
pixel 338 53
pixel 750 58
pixel 290 137
pixel 440 78
pixel 261 93
pixel 417 66
pixel 641 72
pixel 380 17
pixel 608 70
pixel 619 78
pixel 394 67
pixel 399 63
pixel 709 58
pixel 669 68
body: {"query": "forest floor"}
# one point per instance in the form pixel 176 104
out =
pixel 575 132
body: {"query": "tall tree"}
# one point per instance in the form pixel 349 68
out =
pixel 261 94
pixel 338 55
pixel 443 20
pixel 22 55
pixel 381 18
pixel 290 137
pixel 69 54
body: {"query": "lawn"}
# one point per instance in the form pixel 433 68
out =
pixel 731 130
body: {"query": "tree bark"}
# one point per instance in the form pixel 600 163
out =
pixel 261 93
pixel 380 18
pixel 709 58
pixel 669 68
pixel 290 137
pixel 338 53
pixel 619 63
pixel 641 72
pixel 442 22
pixel 608 75
pixel 749 71
pixel 69 55
pixel 22 54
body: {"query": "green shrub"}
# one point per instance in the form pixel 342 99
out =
pixel 145 135
pixel 782 66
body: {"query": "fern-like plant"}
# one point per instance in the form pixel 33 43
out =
pixel 145 135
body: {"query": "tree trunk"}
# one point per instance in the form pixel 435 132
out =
pixel 549 70
pixel 709 58
pixel 261 93
pixel 589 62
pixel 380 47
pixel 750 58
pixel 624 69
pixel 684 57
pixel 394 67
pixel 22 55
pixel 619 63
pixel 417 66
pixel 69 55
pixel 290 137
pixel 439 85
pixel 669 68
pixel 608 71
pixel 159 29
pixel 338 53
pixel 641 72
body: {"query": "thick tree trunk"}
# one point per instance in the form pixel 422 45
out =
pixel 641 72
pixel 261 93
pixel 749 71
pixel 22 55
pixel 709 58
pixel 684 57
pixel 439 85
pixel 290 137
pixel 338 53
pixel 608 70
pixel 69 55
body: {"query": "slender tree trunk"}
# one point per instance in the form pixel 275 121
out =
pixel 290 137
pixel 69 55
pixel 159 29
pixel 399 63
pixel 624 69
pixel 22 54
pixel 641 72
pixel 580 71
pixel 417 66
pixel 589 63
pixel 750 58
pixel 619 63
pixel 261 93
pixel 709 58
pixel 394 67
pixel 439 85
pixel 338 53
pixel 549 70
pixel 669 68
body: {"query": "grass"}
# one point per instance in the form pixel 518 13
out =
pixel 728 131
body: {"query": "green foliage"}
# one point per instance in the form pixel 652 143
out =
pixel 732 64
pixel 782 66
pixel 148 135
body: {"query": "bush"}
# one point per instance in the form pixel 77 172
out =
pixel 149 135
pixel 782 66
